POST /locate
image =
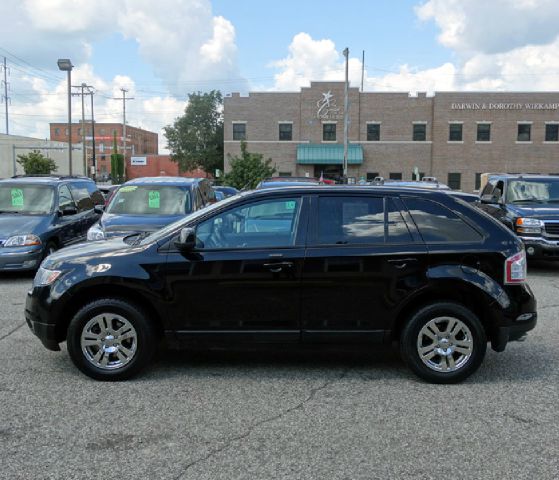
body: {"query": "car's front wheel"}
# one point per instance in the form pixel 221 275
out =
pixel 443 343
pixel 111 339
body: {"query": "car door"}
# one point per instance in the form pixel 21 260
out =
pixel 362 260
pixel 242 281
pixel 67 225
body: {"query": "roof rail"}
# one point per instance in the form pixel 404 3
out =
pixel 47 175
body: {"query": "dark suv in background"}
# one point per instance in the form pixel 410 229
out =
pixel 40 214
pixel 529 206
pixel 297 265
pixel 149 203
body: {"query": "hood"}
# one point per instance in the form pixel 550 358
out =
pixel 21 224
pixel 120 225
pixel 83 253
pixel 542 211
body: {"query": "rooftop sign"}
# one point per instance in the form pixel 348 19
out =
pixel 504 106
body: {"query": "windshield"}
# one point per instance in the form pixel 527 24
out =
pixel 159 234
pixel 26 199
pixel 151 200
pixel 533 190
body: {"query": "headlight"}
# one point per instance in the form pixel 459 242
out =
pixel 45 277
pixel 96 232
pixel 529 225
pixel 23 241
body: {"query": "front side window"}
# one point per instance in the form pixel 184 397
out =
pixel 350 220
pixel 26 199
pixel 419 132
pixel 455 132
pixel 552 132
pixel 329 132
pixel 151 200
pixel 373 132
pixel 286 131
pixel 524 132
pixel 483 132
pixel 437 223
pixel 265 224
pixel 239 131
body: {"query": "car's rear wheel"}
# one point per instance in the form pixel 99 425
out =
pixel 111 339
pixel 443 343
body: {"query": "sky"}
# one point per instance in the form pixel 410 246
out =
pixel 162 51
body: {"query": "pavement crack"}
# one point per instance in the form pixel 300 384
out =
pixel 312 394
pixel 11 331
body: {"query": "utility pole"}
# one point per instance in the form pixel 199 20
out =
pixel 5 97
pixel 124 99
pixel 363 71
pixel 82 87
pixel 94 161
pixel 346 108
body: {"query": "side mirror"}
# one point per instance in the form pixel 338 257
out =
pixel 99 209
pixel 493 198
pixel 187 239
pixel 68 211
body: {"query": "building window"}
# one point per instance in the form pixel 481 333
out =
pixel 552 132
pixel 284 174
pixel 57 132
pixel 286 131
pixel 454 180
pixel 455 132
pixel 79 131
pixel 524 131
pixel 477 181
pixel 329 132
pixel 483 132
pixel 373 132
pixel 239 131
pixel 102 131
pixel 102 158
pixel 395 176
pixel 66 132
pixel 371 176
pixel 419 132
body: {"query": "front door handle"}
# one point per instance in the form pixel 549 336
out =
pixel 278 266
pixel 401 263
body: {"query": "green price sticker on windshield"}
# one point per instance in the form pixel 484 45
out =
pixel 290 205
pixel 154 199
pixel 17 197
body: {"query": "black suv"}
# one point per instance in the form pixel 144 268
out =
pixel 40 214
pixel 528 205
pixel 302 265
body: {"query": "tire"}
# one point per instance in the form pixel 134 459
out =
pixel 438 355
pixel 97 350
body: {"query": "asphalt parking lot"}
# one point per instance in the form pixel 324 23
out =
pixel 296 415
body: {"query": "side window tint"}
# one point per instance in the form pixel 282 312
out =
pixel 96 195
pixel 397 229
pixel 439 224
pixel 81 195
pixel 270 223
pixel 350 220
pixel 65 199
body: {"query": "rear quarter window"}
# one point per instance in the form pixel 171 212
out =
pixel 437 223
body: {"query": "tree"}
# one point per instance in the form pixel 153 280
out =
pixel 36 163
pixel 248 169
pixel 196 139
pixel 117 164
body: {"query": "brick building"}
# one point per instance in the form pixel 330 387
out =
pixel 139 141
pixel 158 166
pixel 454 136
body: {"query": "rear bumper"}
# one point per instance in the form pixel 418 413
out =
pixel 20 258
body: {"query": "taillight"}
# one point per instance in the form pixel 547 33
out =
pixel 515 268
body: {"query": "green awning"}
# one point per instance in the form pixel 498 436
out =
pixel 321 154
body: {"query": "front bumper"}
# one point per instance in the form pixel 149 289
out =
pixel 37 318
pixel 541 248
pixel 20 258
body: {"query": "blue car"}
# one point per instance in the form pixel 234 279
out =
pixel 40 214
pixel 150 203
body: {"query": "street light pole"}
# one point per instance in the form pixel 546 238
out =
pixel 65 65
pixel 346 107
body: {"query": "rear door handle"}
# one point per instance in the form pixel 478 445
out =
pixel 401 263
pixel 278 266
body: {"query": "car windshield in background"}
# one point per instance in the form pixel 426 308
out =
pixel 533 191
pixel 26 199
pixel 151 200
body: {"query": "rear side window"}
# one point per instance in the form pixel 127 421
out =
pixel 95 194
pixel 81 196
pixel 397 229
pixel 350 220
pixel 437 223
